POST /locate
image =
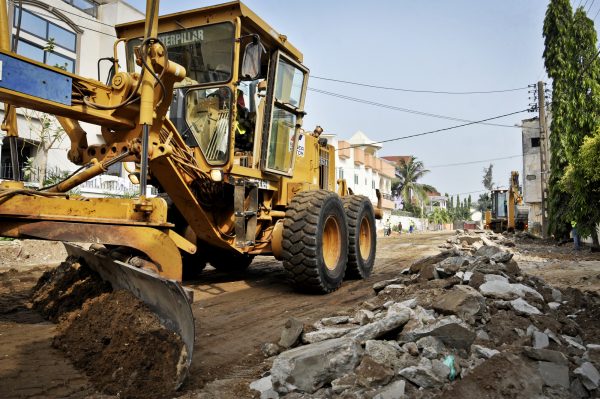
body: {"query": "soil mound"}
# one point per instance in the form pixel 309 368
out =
pixel 66 288
pixel 122 346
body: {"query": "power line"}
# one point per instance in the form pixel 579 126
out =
pixel 591 4
pixel 410 111
pixel 58 19
pixel 419 91
pixel 475 162
pixel 437 130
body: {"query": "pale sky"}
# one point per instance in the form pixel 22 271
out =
pixel 436 45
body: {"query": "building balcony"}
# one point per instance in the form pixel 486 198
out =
pixel 359 156
pixel 369 161
pixel 387 169
pixel 344 150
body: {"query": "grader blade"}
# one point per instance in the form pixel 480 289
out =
pixel 166 298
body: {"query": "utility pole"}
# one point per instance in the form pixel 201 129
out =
pixel 544 168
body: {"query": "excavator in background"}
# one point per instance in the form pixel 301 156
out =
pixel 209 110
pixel 508 212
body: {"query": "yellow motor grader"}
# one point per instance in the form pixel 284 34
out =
pixel 209 109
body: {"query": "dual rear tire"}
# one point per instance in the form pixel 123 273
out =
pixel 325 239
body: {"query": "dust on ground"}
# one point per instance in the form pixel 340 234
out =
pixel 560 265
pixel 234 315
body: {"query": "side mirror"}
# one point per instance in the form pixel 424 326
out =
pixel 252 59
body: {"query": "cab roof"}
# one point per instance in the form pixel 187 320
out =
pixel 213 14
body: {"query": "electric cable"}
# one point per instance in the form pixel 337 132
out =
pixel 410 111
pixel 419 91
pixel 475 162
pixel 436 130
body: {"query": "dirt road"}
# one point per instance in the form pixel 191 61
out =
pixel 234 316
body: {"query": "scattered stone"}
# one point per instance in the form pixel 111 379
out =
pixel 270 349
pixel 335 320
pixel 378 286
pixel 556 295
pixel 512 267
pixel 546 355
pixel 291 332
pixel 539 340
pixel 451 330
pixel 488 251
pixel 411 348
pixel 371 373
pixel 422 376
pixel 482 335
pixel 590 378
pixel 347 381
pixel 428 272
pixel 501 257
pixel 308 368
pixel 470 240
pixel 326 333
pixel 574 342
pixel 503 290
pixel 494 277
pixel 392 288
pixel 553 305
pixel 461 300
pixel 483 352
pixel 265 387
pixel 430 347
pixel 364 316
pixel 467 277
pixel 384 352
pixel 395 390
pixel 522 307
pixel 392 321
pixel 592 354
pixel 552 336
pixel 409 303
pixel 577 389
pixel 453 264
pixel 554 374
pixel 440 370
pixel 417 265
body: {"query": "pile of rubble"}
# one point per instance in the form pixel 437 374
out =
pixel 463 323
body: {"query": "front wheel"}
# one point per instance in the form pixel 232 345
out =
pixel 315 241
pixel 362 236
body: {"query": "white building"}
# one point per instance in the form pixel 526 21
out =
pixel 357 162
pixel 70 34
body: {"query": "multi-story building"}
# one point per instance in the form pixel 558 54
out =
pixel 72 35
pixel 357 162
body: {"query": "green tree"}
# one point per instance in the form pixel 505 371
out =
pixel 409 173
pixel 571 62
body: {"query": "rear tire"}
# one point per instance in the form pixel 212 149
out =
pixel 362 236
pixel 315 241
pixel 193 265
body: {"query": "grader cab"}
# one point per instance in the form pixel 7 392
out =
pixel 210 112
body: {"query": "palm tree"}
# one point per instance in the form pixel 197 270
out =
pixel 408 173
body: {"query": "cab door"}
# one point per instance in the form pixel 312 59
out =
pixel 286 90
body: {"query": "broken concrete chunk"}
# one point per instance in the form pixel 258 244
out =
pixel 326 333
pixel 452 331
pixel 592 354
pixel 573 341
pixel 470 240
pixel 590 378
pixel 553 305
pixel 482 335
pixel 270 349
pixel 453 264
pixel 395 390
pixel 522 307
pixel 552 336
pixel 411 348
pixel 461 300
pixel 503 290
pixel 378 286
pixel 539 340
pixel 265 387
pixel 556 295
pixel 364 316
pixel 423 376
pixel 308 368
pixel 428 272
pixel 546 355
pixel 492 277
pixel 501 257
pixel 483 352
pixel 335 320
pixel 370 373
pixel 384 352
pixel 577 389
pixel 392 321
pixel 417 265
pixel 347 381
pixel 554 374
pixel 291 333
pixel 488 251
pixel 430 347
